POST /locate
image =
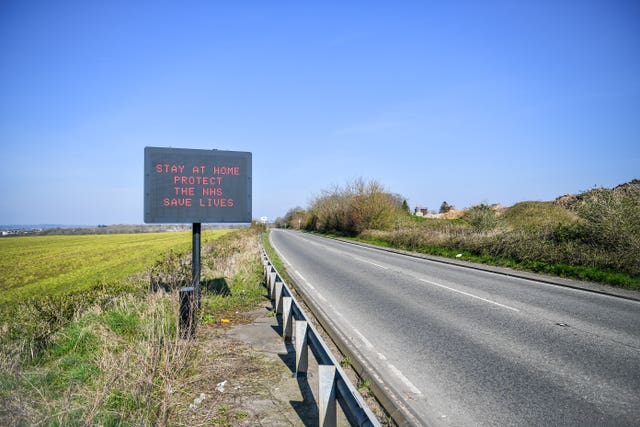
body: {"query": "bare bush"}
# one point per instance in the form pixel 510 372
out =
pixel 354 208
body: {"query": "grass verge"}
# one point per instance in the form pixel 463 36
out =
pixel 118 359
pixel 584 273
pixel 275 259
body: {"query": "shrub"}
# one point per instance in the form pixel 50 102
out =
pixel 525 215
pixel 482 217
pixel 612 219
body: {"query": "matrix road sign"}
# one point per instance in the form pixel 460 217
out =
pixel 196 186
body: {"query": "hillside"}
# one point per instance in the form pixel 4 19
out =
pixel 571 202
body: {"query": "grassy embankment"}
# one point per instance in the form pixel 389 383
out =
pixel 535 236
pixel 85 342
pixel 593 236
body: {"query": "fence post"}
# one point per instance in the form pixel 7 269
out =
pixel 287 317
pixel 302 349
pixel 327 395
pixel 187 312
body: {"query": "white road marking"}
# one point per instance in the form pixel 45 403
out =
pixel 468 294
pixel 284 260
pixel 371 262
pixel 366 342
pixel 304 280
pixel 346 254
pixel 404 379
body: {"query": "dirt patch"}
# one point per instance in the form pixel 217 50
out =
pixel 242 376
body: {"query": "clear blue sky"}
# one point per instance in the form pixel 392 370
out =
pixel 468 102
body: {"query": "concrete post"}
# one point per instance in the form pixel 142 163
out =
pixel 327 395
pixel 302 349
pixel 272 277
pixel 278 302
pixel 266 266
pixel 287 318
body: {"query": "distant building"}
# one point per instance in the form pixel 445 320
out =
pixel 421 211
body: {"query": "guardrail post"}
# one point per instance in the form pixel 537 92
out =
pixel 302 349
pixel 272 279
pixel 276 279
pixel 267 269
pixel 278 302
pixel 327 395
pixel 287 318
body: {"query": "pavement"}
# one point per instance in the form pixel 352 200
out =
pixel 290 400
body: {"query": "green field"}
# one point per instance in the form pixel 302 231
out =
pixel 51 265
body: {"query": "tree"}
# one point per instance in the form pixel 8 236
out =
pixel 405 206
pixel 445 207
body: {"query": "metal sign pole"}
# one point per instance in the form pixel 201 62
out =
pixel 195 264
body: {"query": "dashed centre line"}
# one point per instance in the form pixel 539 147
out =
pixel 369 346
pixel 371 263
pixel 468 294
pixel 421 279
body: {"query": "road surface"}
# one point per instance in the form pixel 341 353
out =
pixel 469 347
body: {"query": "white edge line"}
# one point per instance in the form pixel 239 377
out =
pixel 304 280
pixel 366 342
pixel 404 379
pixel 469 295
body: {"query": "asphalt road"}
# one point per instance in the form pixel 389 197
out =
pixel 468 347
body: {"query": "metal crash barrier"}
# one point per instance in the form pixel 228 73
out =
pixel 333 382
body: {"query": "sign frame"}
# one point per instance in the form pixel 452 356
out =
pixel 176 180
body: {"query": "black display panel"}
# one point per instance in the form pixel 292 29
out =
pixel 196 186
